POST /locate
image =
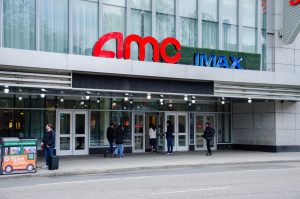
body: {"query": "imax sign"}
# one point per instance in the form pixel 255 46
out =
pixel 218 62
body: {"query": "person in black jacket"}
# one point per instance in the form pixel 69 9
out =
pixel 169 137
pixel 110 135
pixel 209 133
pixel 48 143
pixel 119 151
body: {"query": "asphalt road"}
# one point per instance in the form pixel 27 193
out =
pixel 274 181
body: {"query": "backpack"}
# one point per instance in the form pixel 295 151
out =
pixel 210 134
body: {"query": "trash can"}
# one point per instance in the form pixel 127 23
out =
pixel 18 155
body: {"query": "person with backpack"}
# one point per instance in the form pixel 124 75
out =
pixel 209 133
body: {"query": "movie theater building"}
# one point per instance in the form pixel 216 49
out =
pixel 81 64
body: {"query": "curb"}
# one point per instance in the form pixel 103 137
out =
pixel 57 173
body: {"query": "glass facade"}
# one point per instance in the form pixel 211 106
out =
pixel 25 116
pixel 84 26
pixel 19 24
pixel 54 26
pixel 165 19
pixel 188 23
pixel 141 15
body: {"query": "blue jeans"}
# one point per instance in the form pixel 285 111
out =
pixel 111 146
pixel 119 150
pixel 170 144
pixel 48 153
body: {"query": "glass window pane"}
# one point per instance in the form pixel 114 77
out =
pixel 166 7
pixel 188 32
pixel 98 124
pixel 181 124
pixel 165 26
pixel 54 26
pixel 141 4
pixel 65 121
pixel 210 10
pixel 142 27
pixel 116 17
pixel 80 124
pixel 249 13
pixel 188 8
pixel 209 35
pixel 249 40
pixel 115 2
pixel 19 24
pixel 230 11
pixel 85 26
pixel 230 37
pixel 224 128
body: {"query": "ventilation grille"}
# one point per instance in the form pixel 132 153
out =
pixel 39 79
pixel 276 92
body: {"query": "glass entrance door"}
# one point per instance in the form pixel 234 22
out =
pixel 179 123
pixel 71 131
pixel 138 129
pixel 200 121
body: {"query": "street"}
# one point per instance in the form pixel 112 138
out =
pixel 273 180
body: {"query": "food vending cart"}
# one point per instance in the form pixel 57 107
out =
pixel 18 155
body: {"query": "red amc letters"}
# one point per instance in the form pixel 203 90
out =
pixel 159 50
pixel 294 2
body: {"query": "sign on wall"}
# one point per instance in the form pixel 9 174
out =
pixel 123 49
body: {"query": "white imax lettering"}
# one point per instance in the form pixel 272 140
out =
pixel 218 62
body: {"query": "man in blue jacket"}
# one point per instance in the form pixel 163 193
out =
pixel 48 143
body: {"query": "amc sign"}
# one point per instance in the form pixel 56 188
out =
pixel 123 47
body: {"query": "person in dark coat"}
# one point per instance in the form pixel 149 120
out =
pixel 110 135
pixel 169 137
pixel 209 133
pixel 119 151
pixel 48 143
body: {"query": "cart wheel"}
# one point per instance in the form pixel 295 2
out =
pixel 8 169
pixel 30 167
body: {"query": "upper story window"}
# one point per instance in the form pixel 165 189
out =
pixel 113 20
pixel 19 24
pixel 84 26
pixel 165 19
pixel 230 11
pixel 210 29
pixel 54 26
pixel 249 13
pixel 188 23
pixel 210 10
pixel 141 24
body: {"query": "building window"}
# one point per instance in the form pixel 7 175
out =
pixel 113 21
pixel 54 26
pixel 209 35
pixel 188 23
pixel 165 19
pixel 230 8
pixel 249 13
pixel 141 24
pixel 84 26
pixel 230 37
pixel 210 10
pixel 249 40
pixel 19 24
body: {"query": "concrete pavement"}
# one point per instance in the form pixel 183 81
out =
pixel 94 164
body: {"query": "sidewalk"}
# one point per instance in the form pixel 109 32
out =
pixel 94 164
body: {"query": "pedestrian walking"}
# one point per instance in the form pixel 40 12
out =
pixel 110 135
pixel 119 151
pixel 209 133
